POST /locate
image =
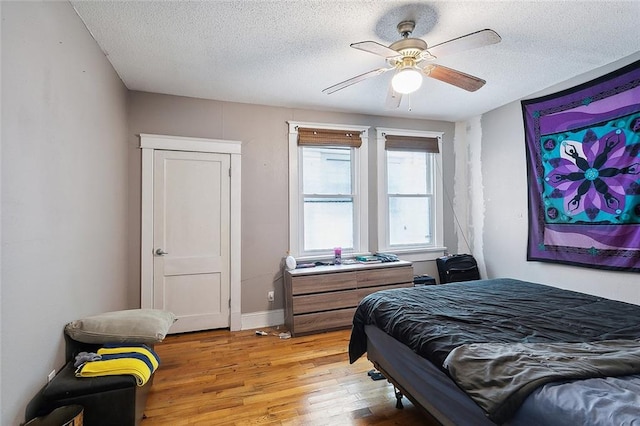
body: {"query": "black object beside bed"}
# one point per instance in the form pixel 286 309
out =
pixel 409 333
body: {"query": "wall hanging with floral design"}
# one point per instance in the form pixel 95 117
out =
pixel 583 165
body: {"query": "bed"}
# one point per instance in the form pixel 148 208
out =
pixel 505 351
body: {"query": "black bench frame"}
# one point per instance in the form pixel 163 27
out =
pixel 107 401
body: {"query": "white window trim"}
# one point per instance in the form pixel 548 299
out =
pixel 412 254
pixel 361 200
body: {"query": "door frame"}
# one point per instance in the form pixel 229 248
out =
pixel 148 144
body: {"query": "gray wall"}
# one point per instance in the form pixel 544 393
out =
pixel 505 194
pixel 64 191
pixel 263 131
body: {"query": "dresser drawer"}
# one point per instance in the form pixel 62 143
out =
pixel 320 321
pixel 395 275
pixel 325 301
pixel 323 282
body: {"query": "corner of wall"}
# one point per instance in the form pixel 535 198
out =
pixel 468 203
pixel 460 199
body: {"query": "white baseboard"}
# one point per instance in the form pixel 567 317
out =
pixel 262 319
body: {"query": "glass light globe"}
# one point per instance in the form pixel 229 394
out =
pixel 407 80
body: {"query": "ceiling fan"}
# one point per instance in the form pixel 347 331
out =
pixel 411 58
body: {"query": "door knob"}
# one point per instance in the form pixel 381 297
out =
pixel 161 252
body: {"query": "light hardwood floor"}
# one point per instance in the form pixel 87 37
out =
pixel 239 378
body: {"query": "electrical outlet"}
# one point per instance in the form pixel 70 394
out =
pixel 270 296
pixel 51 376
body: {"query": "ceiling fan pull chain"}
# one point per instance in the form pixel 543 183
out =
pixel 409 101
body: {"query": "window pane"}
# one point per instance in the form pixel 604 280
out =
pixel 326 170
pixel 409 220
pixel 328 223
pixel 407 172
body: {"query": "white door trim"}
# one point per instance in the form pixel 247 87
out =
pixel 149 143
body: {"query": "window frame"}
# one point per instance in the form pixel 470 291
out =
pixel 410 252
pixel 359 190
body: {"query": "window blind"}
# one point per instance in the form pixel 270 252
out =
pixel 326 137
pixel 411 143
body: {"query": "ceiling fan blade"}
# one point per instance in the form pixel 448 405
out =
pixel 393 98
pixel 376 49
pixel 465 42
pixel 354 80
pixel 454 77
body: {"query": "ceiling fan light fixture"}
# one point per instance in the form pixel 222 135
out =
pixel 407 80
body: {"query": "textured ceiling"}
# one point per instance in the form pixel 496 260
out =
pixel 283 53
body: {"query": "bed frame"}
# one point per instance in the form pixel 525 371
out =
pixel 436 394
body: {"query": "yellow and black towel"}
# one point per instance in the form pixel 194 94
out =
pixel 139 361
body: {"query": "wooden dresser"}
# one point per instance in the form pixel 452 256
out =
pixel 325 297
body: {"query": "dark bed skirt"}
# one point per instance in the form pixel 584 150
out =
pixel 436 393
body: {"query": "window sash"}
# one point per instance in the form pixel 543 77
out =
pixel 394 239
pixel 328 221
pixel 319 235
pixel 328 161
pixel 402 169
pixel 426 194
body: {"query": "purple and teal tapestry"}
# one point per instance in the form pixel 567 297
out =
pixel 583 165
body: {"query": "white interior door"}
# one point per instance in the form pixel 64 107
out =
pixel 191 238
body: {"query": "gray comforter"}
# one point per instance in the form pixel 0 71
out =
pixel 499 376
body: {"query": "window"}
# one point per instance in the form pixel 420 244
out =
pixel 409 192
pixel 328 189
pixel 409 198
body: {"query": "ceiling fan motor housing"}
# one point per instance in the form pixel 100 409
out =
pixel 411 47
pixel 408 47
